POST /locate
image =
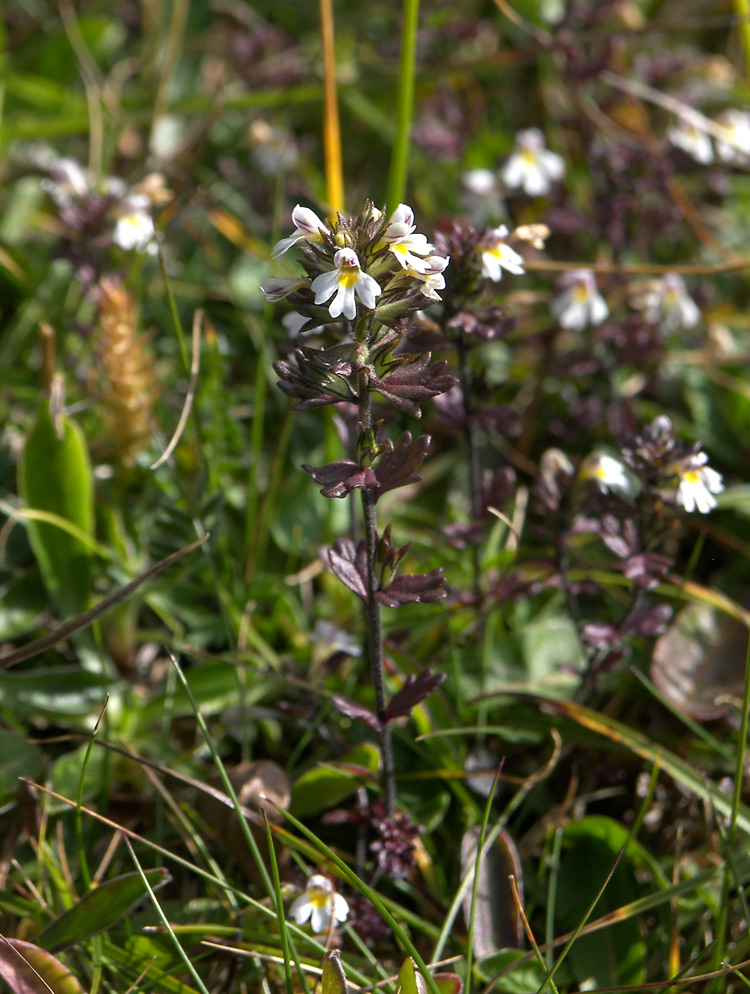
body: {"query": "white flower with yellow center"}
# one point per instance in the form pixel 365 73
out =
pixel 346 280
pixel 497 255
pixel 532 167
pixel 431 277
pixel 698 484
pixel 608 473
pixel 134 229
pixel 409 247
pixel 276 288
pixel 308 227
pixel 581 303
pixel 693 141
pixel 736 125
pixel 669 302
pixel 320 905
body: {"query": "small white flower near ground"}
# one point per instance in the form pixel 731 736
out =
pixel 531 166
pixel 431 277
pixel 736 149
pixel 698 484
pixel 609 473
pixel 346 280
pixel 668 302
pixel 497 255
pixel 320 905
pixel 308 227
pixel 693 141
pixel 134 229
pixel 580 304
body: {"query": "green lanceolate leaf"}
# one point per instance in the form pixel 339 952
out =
pixel 410 980
pixel 333 980
pixel 27 969
pixel 56 479
pixel 100 908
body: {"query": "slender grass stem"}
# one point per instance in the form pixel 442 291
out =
pixel 405 100
pixel 742 10
pixel 331 130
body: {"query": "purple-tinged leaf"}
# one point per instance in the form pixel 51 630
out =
pixel 497 923
pixel 414 690
pixel 27 969
pixel 349 564
pixel 356 711
pixel 414 588
pixel 448 983
pixel 341 478
pixel 397 466
pixel 408 385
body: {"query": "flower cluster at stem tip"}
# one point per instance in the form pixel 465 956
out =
pixel 359 265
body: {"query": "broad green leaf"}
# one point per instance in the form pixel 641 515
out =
pixel 497 923
pixel 56 478
pixel 616 954
pixel 22 602
pixel 509 978
pixel 328 784
pixel 100 908
pixel 18 758
pixel 64 690
pixel 27 969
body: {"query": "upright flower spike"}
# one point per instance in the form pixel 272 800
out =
pixel 532 167
pixel 320 905
pixel 497 255
pixel 409 247
pixel 580 304
pixel 346 280
pixel 698 484
pixel 308 227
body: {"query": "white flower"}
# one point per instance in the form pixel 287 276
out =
pixel 344 281
pixel 609 473
pixel 581 303
pixel 276 288
pixel 669 302
pixel 135 226
pixel 532 166
pixel 736 148
pixel 497 255
pixel 409 248
pixel 320 904
pixel 692 140
pixel 480 197
pixel 308 227
pixel 431 277
pixel 698 484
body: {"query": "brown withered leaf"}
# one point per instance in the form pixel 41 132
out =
pixel 699 662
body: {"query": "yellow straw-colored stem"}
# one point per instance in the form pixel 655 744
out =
pixel 742 10
pixel 331 131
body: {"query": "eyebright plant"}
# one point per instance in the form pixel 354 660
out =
pixel 364 277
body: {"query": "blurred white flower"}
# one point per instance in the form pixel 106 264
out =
pixel 134 229
pixel 736 125
pixel 580 304
pixel 609 473
pixel 691 140
pixel 698 483
pixel 278 287
pixel 497 255
pixel 668 302
pixel 344 281
pixel 320 905
pixel 409 247
pixel 532 166
pixel 480 197
pixel 308 227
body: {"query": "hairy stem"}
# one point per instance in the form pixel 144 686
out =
pixel 373 622
pixel 472 451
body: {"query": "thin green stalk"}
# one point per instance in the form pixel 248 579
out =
pixel 475 886
pixel 165 921
pixel 549 924
pixel 85 875
pixel 742 10
pixel 405 101
pixel 281 917
pixel 739 772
